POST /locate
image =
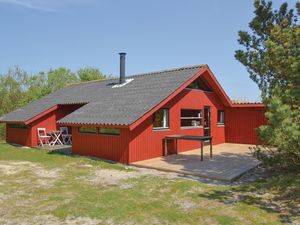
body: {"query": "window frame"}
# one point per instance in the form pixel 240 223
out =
pixel 221 124
pixel 191 118
pixel 96 131
pixel 166 120
pixel 109 134
pixel 201 81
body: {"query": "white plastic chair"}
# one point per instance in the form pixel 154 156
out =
pixel 66 137
pixel 43 137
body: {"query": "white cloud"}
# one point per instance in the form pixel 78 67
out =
pixel 44 5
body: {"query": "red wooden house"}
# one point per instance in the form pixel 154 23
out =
pixel 126 119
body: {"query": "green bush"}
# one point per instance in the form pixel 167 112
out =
pixel 2 131
pixel 271 54
pixel 283 132
pixel 18 88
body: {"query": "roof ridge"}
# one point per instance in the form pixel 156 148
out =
pixel 169 70
pixel 245 103
pixel 142 74
pixel 87 82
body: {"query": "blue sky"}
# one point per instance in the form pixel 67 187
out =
pixel 156 34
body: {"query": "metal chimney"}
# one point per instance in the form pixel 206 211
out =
pixel 122 68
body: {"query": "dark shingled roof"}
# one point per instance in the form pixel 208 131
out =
pixel 107 105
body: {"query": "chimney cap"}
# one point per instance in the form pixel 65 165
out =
pixel 122 53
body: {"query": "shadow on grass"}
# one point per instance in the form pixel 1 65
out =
pixel 67 151
pixel 279 193
pixel 62 151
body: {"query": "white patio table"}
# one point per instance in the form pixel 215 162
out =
pixel 55 137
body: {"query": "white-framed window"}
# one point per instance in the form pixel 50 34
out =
pixel 221 117
pixel 161 119
pixel 191 118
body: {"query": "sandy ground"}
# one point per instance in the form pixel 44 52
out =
pixel 45 177
pixel 116 177
pixel 51 220
pixel 124 179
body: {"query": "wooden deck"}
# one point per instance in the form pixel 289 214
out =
pixel 229 162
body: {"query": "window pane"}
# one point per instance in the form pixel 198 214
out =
pixel 110 131
pixel 200 84
pixel 191 118
pixel 221 117
pixel 161 118
pixel 191 113
pixel 166 118
pixel 191 122
pixel 90 130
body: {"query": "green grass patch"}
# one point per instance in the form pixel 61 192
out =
pixel 27 193
pixel 50 159
pixel 226 220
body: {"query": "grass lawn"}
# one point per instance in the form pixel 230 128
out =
pixel 39 187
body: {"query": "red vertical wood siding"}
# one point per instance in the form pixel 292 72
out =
pixel 109 147
pixel 143 142
pixel 18 136
pixel 28 137
pixel 241 124
pixel 147 143
pixel 49 121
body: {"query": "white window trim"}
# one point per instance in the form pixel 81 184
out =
pixel 190 127
pixel 190 118
pixel 161 128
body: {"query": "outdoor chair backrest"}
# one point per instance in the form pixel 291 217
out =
pixel 64 130
pixel 41 132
